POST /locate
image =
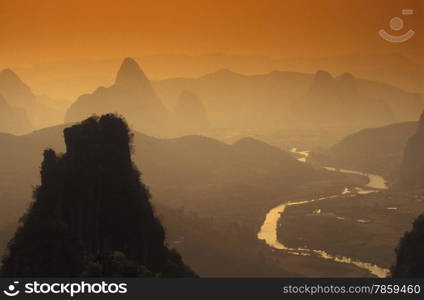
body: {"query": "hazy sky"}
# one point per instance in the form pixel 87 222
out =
pixel 33 31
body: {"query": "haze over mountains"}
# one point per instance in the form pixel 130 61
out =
pixel 289 99
pixel 131 95
pixel 177 164
pixel 214 138
pixel 13 120
pixel 32 112
pixel 229 183
pixel 337 102
pixel 232 184
pixel 69 79
pixel 227 102
pixel 412 169
pixel 15 99
pixel 395 151
pixel 377 150
pixel 12 88
pixel 190 113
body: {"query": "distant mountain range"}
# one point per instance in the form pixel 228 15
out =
pixel 338 101
pixel 69 79
pixel 226 100
pixel 284 99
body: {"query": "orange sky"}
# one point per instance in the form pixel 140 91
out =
pixel 34 31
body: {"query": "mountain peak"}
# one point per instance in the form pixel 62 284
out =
pixel 130 74
pixel 129 62
pixel 225 71
pixel 347 77
pixel 17 93
pixel 324 82
pixel 323 76
pixel 10 76
pixel 348 83
pixel 8 71
pixel 222 74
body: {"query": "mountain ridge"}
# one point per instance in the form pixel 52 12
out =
pixel 131 95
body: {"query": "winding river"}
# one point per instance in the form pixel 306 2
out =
pixel 268 231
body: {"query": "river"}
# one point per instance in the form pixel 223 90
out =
pixel 268 231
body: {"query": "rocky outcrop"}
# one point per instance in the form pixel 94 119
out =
pixel 410 253
pixel 91 210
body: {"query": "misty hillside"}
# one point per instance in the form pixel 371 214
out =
pixel 71 78
pixel 396 68
pixel 19 95
pixel 176 168
pixel 228 183
pixel 232 102
pixel 13 120
pixel 229 99
pixel 262 101
pixel 190 114
pixel 412 169
pixel 15 90
pixel 237 100
pixel 376 150
pixel 131 95
pixel 337 101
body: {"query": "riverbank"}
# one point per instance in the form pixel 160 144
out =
pixel 363 227
pixel 270 228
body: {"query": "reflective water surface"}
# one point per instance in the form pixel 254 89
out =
pixel 268 230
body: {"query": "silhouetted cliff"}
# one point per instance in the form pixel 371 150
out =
pixel 410 252
pixel 91 215
pixel 412 171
